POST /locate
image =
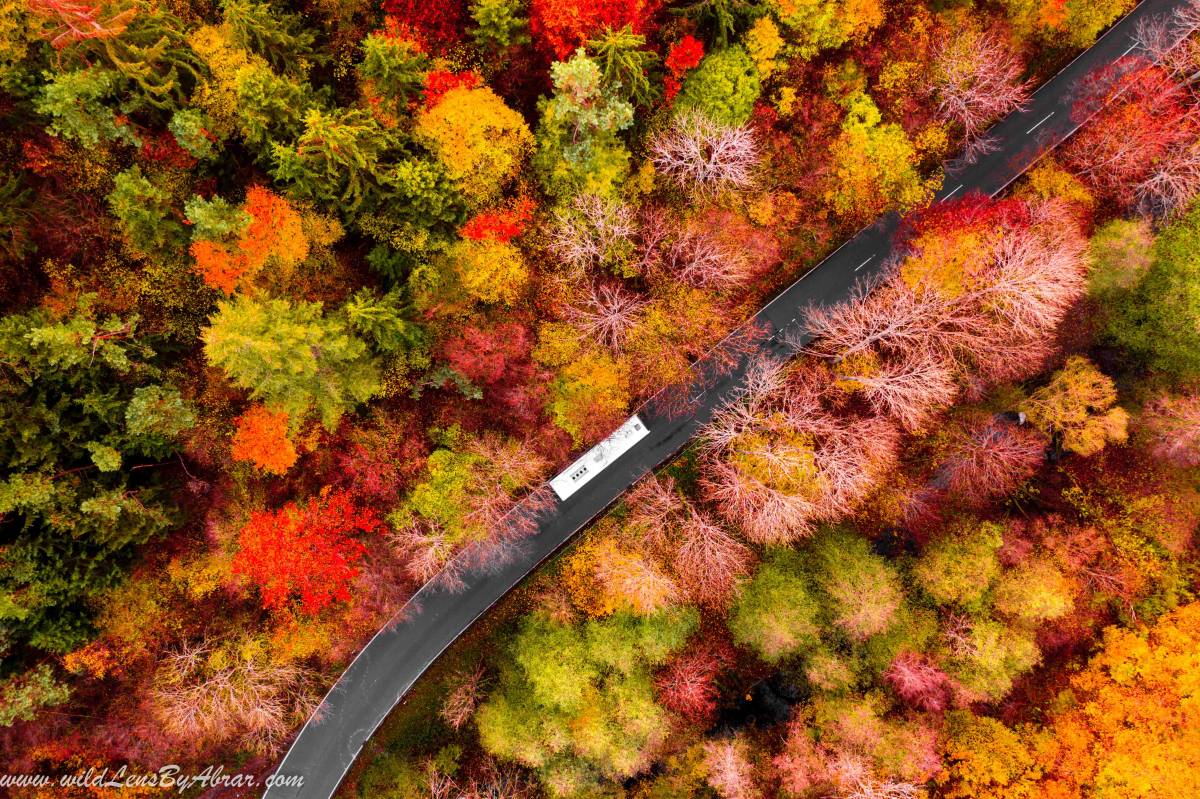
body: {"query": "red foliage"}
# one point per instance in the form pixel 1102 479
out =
pixel 501 224
pixel 305 551
pixel 485 355
pixel 918 682
pixel 687 685
pixel 376 462
pixel 685 54
pixel 162 148
pixel 992 460
pixel 440 81
pixel 559 26
pixel 1148 118
pixel 434 22
pixel 971 211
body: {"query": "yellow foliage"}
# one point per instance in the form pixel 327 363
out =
pixel 296 639
pixel 1078 404
pixel 779 457
pixel 1048 181
pixel 217 96
pixel 855 365
pixel 95 660
pixel 579 577
pixel 785 103
pixel 764 44
pixel 490 271
pixel 198 577
pixel 949 262
pixel 480 140
pixel 873 165
pixel 591 392
pixel 558 344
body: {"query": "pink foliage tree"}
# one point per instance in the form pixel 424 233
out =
pixel 709 560
pixel 730 772
pixel 1172 425
pixel 918 682
pixel 80 21
pixel 607 313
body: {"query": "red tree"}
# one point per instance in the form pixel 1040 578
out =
pixel 1149 117
pixel 991 460
pixel 687 685
pixel 435 22
pixel 560 26
pixel 484 355
pixel 305 551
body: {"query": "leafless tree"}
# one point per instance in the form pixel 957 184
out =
pixel 976 80
pixel 607 314
pixel 703 157
pixel 593 233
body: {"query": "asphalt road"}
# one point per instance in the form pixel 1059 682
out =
pixel 399 654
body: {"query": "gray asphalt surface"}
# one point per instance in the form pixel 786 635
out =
pixel 398 655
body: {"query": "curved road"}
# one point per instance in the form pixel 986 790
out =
pixel 400 653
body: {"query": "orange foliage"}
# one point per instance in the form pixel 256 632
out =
pixel 274 233
pixel 94 660
pixel 262 439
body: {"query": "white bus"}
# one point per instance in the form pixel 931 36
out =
pixel 572 478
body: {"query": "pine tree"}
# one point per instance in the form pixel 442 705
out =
pixel 292 357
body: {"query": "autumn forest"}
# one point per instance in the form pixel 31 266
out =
pixel 303 303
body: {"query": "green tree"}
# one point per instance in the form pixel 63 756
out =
pixel 189 128
pixel 269 106
pixel 724 87
pixel 291 357
pixel 338 159
pixel 381 319
pixel 76 102
pixel 499 24
pixel 279 37
pixel 393 68
pixel 625 63
pixel 1159 319
pixel 862 591
pixel 576 702
pixel 153 54
pixel 22 695
pixel 960 567
pixel 775 613
pixel 145 214
pixel 85 419
pixel 578 150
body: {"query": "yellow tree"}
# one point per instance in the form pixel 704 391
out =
pixel 481 141
pixel 1079 405
pixel 874 165
pixel 1133 729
